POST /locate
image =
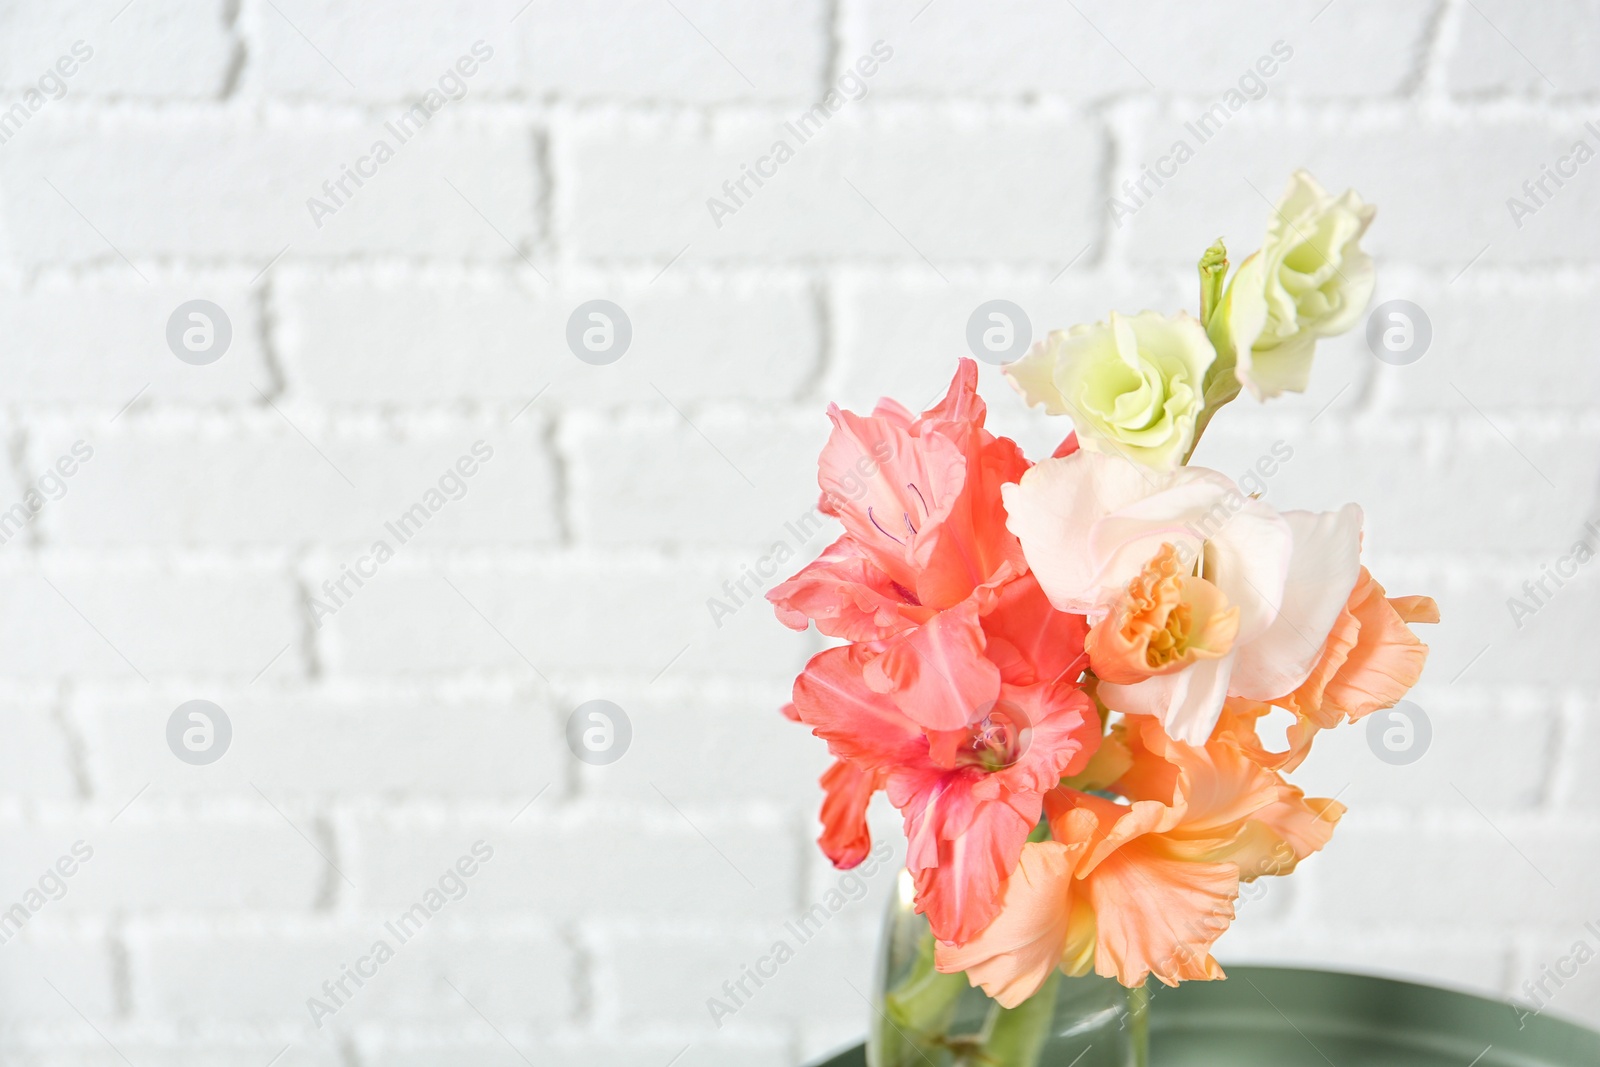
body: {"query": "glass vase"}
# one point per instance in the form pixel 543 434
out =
pixel 922 1018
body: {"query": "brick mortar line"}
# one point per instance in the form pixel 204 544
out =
pixel 493 106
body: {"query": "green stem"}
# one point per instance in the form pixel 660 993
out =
pixel 1015 1037
pixel 916 1012
pixel 1139 1025
pixel 1220 385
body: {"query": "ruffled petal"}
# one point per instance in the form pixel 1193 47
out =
pixel 1249 553
pixel 847 790
pixel 1016 952
pixel 1238 727
pixel 1217 787
pixel 847 595
pixel 1159 916
pixel 961 894
pixel 1029 640
pixel 1285 832
pixel 1156 911
pixel 1370 660
pixel 860 725
pixel 1415 608
pixel 1387 659
pixel 886 486
pixel 938 674
pixel 958 848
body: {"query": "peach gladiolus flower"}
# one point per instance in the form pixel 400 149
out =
pixel 1143 888
pixel 1370 660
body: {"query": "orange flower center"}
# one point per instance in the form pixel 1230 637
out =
pixel 1166 619
pixel 1171 641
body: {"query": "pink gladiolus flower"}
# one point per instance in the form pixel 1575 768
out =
pixel 959 694
pixel 924 550
pixel 969 795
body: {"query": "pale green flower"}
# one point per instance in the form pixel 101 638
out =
pixel 1310 279
pixel 1132 386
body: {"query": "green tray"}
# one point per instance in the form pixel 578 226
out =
pixel 1286 1017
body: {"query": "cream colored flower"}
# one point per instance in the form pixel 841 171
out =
pixel 1310 279
pixel 1268 590
pixel 1133 386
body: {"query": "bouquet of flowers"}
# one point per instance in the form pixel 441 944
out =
pixel 1057 670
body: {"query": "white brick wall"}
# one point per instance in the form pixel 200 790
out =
pixel 429 312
